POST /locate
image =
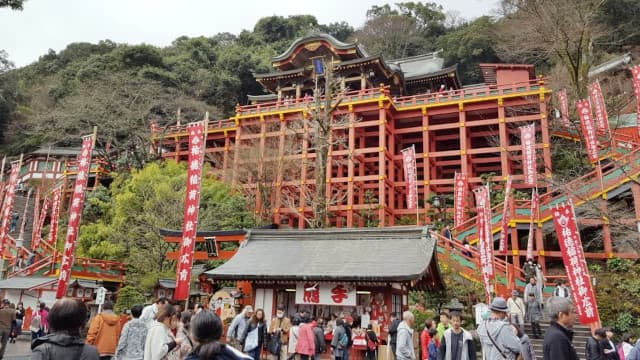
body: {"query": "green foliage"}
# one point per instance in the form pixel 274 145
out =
pixel 619 265
pixel 127 297
pixel 13 4
pixel 617 291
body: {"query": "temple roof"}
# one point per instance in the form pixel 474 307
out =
pixel 418 66
pixel 318 37
pixel 392 254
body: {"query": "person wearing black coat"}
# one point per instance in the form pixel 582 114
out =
pixel 370 354
pixel 593 349
pixel 393 333
pixel 559 336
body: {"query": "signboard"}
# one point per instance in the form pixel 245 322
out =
pixel 599 107
pixel 459 198
pixel 410 176
pixel 588 129
pixel 100 295
pixel 314 293
pixel 635 72
pixel 528 144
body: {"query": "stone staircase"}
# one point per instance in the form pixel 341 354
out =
pixel 580 335
pixel 18 207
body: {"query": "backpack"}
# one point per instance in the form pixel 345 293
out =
pixel 371 345
pixel 344 340
pixel 36 322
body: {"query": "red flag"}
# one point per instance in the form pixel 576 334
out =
pixel 635 72
pixel 55 211
pixel 38 230
pixel 36 217
pixel 504 222
pixel 75 212
pixel 485 238
pixel 528 146
pixel 410 176
pixel 191 204
pixel 564 109
pixel 588 130
pixel 9 199
pixel 459 198
pixel 576 267
pixel 535 199
pixel 599 107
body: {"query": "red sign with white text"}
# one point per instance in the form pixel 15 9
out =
pixel 410 176
pixel 597 101
pixel 588 129
pixel 191 206
pixel 635 72
pixel 55 212
pixel 459 198
pixel 535 200
pixel 564 109
pixel 485 238
pixel 9 199
pixel 75 213
pixel 316 293
pixel 528 146
pixel 574 263
pixel 504 222
pixel 37 232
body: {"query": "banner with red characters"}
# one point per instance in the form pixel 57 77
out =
pixel 75 213
pixel 485 238
pixel 564 109
pixel 197 147
pixel 459 198
pixel 564 221
pixel 410 176
pixel 528 146
pixel 9 199
pixel 37 232
pixel 635 72
pixel 55 212
pixel 599 107
pixel 36 219
pixel 506 214
pixel 588 129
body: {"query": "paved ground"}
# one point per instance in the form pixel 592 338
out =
pixel 21 350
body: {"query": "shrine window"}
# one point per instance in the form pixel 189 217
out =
pixel 396 303
pixel 211 246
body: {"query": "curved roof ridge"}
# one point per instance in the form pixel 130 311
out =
pixel 319 36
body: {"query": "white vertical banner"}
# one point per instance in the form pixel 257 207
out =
pixel 528 146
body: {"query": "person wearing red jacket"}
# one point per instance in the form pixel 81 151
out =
pixel 425 339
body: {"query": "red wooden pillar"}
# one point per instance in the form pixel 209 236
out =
pixel 635 190
pixel 504 141
pixel 544 126
pixel 425 154
pixel 350 167
pixel 382 168
pixel 303 175
pixel 606 228
pixel 390 175
pixel 464 142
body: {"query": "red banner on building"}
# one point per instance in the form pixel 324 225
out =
pixel 37 232
pixel 485 238
pixel 459 198
pixel 588 129
pixel 528 146
pixel 410 176
pixel 36 218
pixel 9 199
pixel 55 212
pixel 506 214
pixel 564 109
pixel 576 267
pixel 635 72
pixel 599 107
pixel 535 200
pixel 75 213
pixel 191 205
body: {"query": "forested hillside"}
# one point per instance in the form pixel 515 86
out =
pixel 122 87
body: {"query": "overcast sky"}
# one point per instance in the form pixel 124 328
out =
pixel 53 24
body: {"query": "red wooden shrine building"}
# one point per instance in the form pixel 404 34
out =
pixel 386 106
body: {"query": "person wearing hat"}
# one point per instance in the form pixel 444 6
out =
pixel 516 310
pixel 237 327
pixel 7 317
pixel 497 339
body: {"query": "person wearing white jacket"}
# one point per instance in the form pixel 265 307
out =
pixel 404 341
pixel 160 341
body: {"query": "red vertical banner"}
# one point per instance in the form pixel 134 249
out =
pixel 459 198
pixel 599 107
pixel 485 238
pixel 588 129
pixel 75 213
pixel 528 146
pixel 197 146
pixel 37 231
pixel 564 109
pixel 535 200
pixel 506 213
pixel 55 212
pixel 410 176
pixel 9 199
pixel 635 72
pixel 36 217
pixel 564 221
